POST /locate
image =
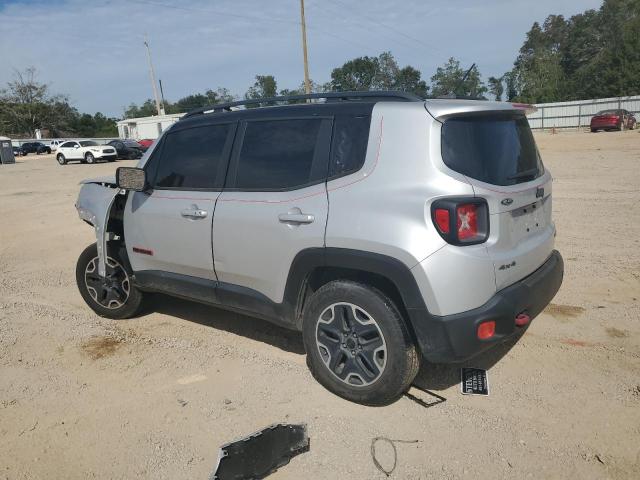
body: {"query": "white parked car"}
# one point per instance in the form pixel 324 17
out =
pixel 54 144
pixel 85 151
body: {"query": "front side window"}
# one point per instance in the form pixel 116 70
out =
pixel 279 154
pixel 89 143
pixel 190 158
pixel 67 145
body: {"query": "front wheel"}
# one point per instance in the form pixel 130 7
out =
pixel 61 159
pixel 358 345
pixel 111 296
pixel 89 158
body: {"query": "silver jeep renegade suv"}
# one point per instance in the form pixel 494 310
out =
pixel 384 227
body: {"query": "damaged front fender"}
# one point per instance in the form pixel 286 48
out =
pixel 94 206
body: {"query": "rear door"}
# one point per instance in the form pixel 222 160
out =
pixel 274 204
pixel 169 229
pixel 498 155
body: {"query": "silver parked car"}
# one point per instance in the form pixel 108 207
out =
pixel 384 227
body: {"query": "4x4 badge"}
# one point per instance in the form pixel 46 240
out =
pixel 507 201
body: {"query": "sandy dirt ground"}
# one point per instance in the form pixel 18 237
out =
pixel 154 397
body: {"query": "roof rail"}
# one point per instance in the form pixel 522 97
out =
pixel 329 96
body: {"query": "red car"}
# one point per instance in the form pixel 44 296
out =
pixel 146 143
pixel 613 120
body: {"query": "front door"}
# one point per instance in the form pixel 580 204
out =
pixel 169 228
pixel 274 204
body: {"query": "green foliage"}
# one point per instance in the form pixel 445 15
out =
pixel 592 55
pixel 448 80
pixel 27 105
pixel 265 86
pixel 377 73
pixel 496 87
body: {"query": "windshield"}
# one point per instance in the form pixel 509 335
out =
pixel 497 148
pixel 88 143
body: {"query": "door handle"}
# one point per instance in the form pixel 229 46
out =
pixel 194 212
pixel 296 218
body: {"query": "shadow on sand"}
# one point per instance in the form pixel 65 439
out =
pixel 236 323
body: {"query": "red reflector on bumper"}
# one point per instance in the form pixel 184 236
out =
pixel 522 319
pixel 486 330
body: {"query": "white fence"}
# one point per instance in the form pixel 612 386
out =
pixel 577 114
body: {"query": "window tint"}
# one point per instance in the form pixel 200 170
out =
pixel 279 154
pixel 496 149
pixel 67 145
pixel 349 148
pixel 190 158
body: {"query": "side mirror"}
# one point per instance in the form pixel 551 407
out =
pixel 131 178
pixel 76 146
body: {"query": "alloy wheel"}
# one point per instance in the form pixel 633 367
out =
pixel 351 344
pixel 112 291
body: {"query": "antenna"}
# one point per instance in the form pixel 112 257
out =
pixel 461 81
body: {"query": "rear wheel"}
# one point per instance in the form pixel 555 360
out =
pixel 61 159
pixel 89 158
pixel 111 296
pixel 357 343
pixel 594 130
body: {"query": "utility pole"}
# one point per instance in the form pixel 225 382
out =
pixel 307 83
pixel 152 74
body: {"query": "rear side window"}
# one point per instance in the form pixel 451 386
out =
pixel 282 154
pixel 496 149
pixel 349 146
pixel 190 158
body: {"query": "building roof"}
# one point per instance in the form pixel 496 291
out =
pixel 152 119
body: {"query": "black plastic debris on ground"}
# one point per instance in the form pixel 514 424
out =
pixel 261 453
pixel 474 381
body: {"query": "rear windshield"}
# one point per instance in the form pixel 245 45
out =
pixel 496 149
pixel 608 112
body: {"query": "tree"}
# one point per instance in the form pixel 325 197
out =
pixel 376 73
pixel 26 105
pixel 448 80
pixel 496 87
pixel 265 86
pixel 147 109
pixel 592 55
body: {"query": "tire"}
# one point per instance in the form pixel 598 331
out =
pixel 117 298
pixel 89 158
pixel 132 156
pixel 377 363
pixel 48 150
pixel 61 159
pixel 594 130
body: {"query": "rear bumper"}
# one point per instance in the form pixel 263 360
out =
pixel 453 338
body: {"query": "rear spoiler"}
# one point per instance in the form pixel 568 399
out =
pixel 441 109
pixel 528 108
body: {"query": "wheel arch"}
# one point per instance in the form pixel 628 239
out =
pixel 315 267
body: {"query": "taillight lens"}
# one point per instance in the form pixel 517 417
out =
pixel 461 221
pixel 467 219
pixel 441 218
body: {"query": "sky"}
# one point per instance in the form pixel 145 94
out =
pixel 93 51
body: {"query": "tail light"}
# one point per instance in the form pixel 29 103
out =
pixel 461 221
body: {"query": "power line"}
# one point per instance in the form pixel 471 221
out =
pixel 391 28
pixel 248 17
